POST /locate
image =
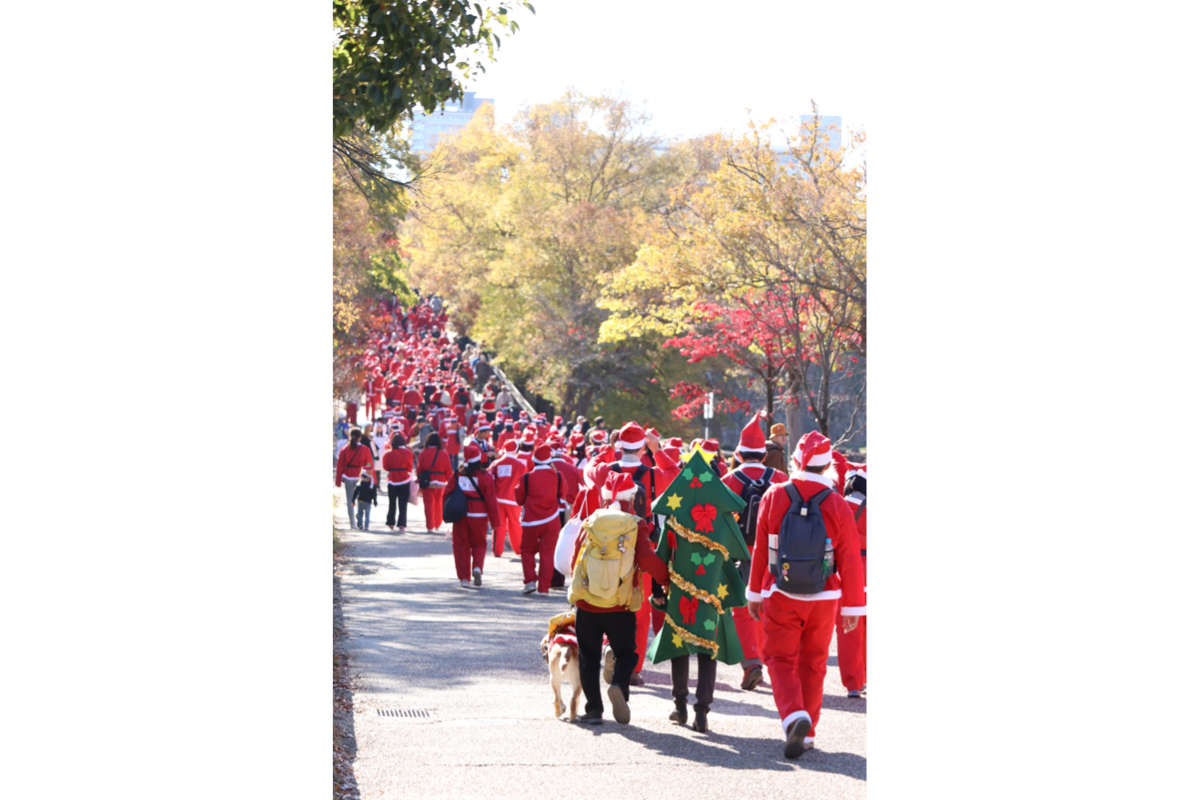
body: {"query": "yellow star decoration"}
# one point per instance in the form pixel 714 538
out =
pixel 722 591
pixel 678 642
pixel 673 501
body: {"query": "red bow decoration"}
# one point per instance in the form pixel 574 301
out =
pixel 704 516
pixel 687 609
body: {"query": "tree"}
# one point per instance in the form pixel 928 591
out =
pixel 764 232
pixel 520 229
pixel 390 58
pixel 700 545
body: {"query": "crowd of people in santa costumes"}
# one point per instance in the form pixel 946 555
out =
pixel 442 419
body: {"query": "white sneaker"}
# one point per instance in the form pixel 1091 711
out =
pixel 530 588
pixel 465 584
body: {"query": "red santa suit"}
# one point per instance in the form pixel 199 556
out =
pixel 354 461
pixel 373 390
pixel 752 443
pixel 852 646
pixel 469 536
pixel 797 628
pixel 507 472
pixel 438 463
pixel 538 493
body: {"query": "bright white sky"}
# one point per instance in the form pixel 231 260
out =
pixel 696 67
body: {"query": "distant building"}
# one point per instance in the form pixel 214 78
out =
pixel 428 128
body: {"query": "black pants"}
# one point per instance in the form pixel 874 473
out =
pixel 590 628
pixel 398 504
pixel 706 680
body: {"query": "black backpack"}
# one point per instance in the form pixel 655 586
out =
pixel 424 476
pixel 798 562
pixel 454 504
pixel 752 493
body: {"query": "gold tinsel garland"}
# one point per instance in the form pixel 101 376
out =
pixel 697 538
pixel 694 590
pixel 692 638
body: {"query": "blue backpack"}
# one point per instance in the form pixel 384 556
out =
pixel 802 560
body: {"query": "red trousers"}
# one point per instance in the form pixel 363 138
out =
pixel 642 617
pixel 539 541
pixel 431 499
pixel 795 647
pixel 749 631
pixel 372 407
pixel 852 654
pixel 352 413
pixel 469 541
pixel 510 525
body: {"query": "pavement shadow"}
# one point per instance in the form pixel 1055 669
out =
pixel 736 752
pixel 722 703
pixel 853 705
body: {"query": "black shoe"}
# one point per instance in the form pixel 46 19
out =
pixel 751 678
pixel 680 714
pixel 591 718
pixel 637 680
pixel 795 738
pixel 701 723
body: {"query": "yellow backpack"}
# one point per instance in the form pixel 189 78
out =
pixel 605 574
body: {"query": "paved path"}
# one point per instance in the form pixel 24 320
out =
pixel 468 659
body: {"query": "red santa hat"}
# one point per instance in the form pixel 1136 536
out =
pixel 840 465
pixel 856 468
pixel 598 437
pixel 674 441
pixel 558 420
pixel 631 436
pixel 510 446
pixel 471 453
pixel 483 425
pixel 653 433
pixel 813 450
pixel 752 439
pixel 618 486
pixel 528 436
pixel 576 439
pixel 711 446
pixel 541 454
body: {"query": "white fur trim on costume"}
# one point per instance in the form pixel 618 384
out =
pixel 850 498
pixel 810 739
pixel 854 611
pixel 773 541
pixel 811 476
pixel 540 521
pixel 755 596
pixel 795 715
pixel 502 501
pixel 828 594
pixel 475 514
pixel 624 445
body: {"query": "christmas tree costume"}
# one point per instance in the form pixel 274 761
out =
pixel 700 544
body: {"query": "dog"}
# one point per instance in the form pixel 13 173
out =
pixel 561 652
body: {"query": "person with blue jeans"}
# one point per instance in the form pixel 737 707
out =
pixel 365 496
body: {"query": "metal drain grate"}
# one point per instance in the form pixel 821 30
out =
pixel 406 713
